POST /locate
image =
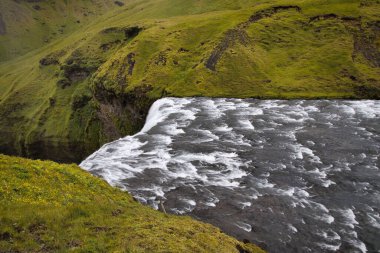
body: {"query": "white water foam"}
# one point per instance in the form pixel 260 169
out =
pixel 349 218
pixel 244 226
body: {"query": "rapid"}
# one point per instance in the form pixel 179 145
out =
pixel 290 176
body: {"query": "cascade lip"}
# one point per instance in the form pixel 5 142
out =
pixel 232 97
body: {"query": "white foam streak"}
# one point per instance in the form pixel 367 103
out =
pixel 244 226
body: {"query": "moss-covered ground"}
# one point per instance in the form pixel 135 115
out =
pixel 50 207
pixel 94 83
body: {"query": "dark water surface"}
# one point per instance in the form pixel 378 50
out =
pixel 292 176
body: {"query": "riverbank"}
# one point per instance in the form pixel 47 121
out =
pixel 50 207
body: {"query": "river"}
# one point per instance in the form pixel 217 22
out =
pixel 291 176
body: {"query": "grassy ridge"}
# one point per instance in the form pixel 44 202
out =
pixel 50 207
pixel 66 98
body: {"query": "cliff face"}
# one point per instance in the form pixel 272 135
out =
pixel 73 93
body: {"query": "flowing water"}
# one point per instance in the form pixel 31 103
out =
pixel 292 176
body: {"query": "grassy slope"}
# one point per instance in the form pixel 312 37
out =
pixel 100 82
pixel 50 207
pixel 32 24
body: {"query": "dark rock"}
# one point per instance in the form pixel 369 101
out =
pixel 131 109
pixel 63 83
pixel 241 249
pixel 6 236
pixel 52 101
pixel 364 91
pixel 131 62
pixel 80 102
pixel 119 3
pixel 132 32
pixel 46 61
pixel 76 73
pixel 268 13
pixel 323 17
pixel 61 151
pixel 346 18
pixel 353 78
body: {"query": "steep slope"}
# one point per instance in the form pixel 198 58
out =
pixel 49 207
pixel 95 85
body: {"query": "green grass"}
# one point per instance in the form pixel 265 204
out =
pixel 287 55
pixel 50 207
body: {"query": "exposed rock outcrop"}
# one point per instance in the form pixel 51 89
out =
pixel 122 114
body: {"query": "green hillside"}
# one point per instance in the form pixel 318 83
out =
pixel 95 82
pixel 50 207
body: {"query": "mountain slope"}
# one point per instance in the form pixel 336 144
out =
pixel 64 99
pixel 50 207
